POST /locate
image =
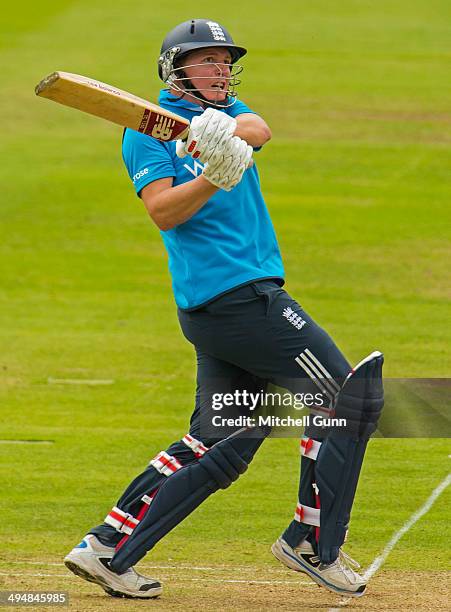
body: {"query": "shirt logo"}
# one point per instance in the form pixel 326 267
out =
pixel 140 174
pixel 196 169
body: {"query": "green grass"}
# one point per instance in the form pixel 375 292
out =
pixel 357 180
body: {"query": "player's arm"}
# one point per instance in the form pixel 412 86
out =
pixel 253 129
pixel 211 132
pixel 169 206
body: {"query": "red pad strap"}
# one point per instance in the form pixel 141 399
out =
pixel 121 521
pixel 309 447
pixel 146 501
pixel 317 505
pixel 165 464
pixel 307 515
pixel 196 446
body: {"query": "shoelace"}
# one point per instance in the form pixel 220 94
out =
pixel 347 565
pixel 348 560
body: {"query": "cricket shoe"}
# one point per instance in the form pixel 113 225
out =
pixel 90 560
pixel 339 576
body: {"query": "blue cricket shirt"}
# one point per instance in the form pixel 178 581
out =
pixel 230 241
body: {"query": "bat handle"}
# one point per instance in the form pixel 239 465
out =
pixel 180 148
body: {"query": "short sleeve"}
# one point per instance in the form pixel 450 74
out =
pixel 239 108
pixel 146 159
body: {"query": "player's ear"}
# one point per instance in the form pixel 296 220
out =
pixel 179 73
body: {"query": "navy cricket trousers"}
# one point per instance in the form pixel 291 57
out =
pixel 245 339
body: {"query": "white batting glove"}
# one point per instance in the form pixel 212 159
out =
pixel 229 167
pixel 209 134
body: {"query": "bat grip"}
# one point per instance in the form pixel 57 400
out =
pixel 180 148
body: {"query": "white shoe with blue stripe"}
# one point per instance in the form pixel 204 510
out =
pixel 339 576
pixel 90 560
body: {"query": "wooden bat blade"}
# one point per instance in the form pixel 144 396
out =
pixel 112 104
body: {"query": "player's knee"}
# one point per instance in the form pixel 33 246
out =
pixel 224 464
pixel 361 399
pixel 230 458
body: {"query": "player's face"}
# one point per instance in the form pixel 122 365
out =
pixel 209 72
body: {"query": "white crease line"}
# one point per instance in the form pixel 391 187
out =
pixel 36 575
pixel 374 567
pixel 79 381
pixel 380 559
pixel 43 563
pixel 299 582
pixel 146 566
pixel 221 580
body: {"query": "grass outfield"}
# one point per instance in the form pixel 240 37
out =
pixel 357 180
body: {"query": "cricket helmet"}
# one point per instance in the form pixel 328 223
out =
pixel 189 36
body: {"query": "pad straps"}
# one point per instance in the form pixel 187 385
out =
pixel 165 464
pixel 309 447
pixel 196 446
pixel 307 515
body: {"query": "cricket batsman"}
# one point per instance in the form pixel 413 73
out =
pixel 227 276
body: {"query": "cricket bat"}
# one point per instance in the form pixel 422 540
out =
pixel 112 104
